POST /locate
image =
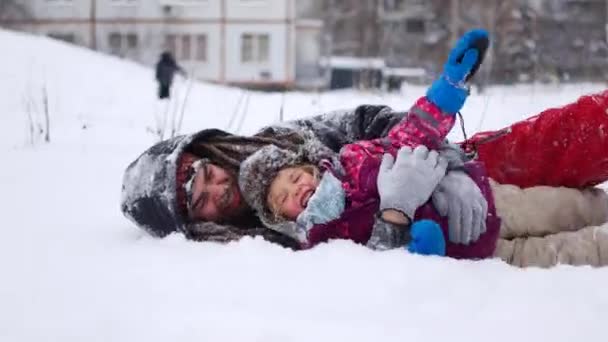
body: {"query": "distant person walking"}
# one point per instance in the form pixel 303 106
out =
pixel 165 70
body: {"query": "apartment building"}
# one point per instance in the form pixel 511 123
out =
pixel 260 43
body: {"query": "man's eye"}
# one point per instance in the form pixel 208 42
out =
pixel 297 178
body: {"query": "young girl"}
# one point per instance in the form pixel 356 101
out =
pixel 266 176
pixel 304 192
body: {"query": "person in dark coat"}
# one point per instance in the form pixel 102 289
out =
pixel 166 67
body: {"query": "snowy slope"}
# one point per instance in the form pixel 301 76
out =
pixel 73 269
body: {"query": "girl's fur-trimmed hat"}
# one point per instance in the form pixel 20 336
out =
pixel 260 169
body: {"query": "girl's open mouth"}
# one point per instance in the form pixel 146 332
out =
pixel 306 197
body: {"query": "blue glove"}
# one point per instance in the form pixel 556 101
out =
pixel 449 92
pixel 427 238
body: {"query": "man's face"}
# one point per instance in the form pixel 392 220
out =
pixel 215 195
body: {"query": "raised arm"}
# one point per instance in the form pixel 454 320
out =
pixel 465 206
pixel 426 124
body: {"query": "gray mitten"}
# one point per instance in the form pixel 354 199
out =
pixel 459 198
pixel 408 182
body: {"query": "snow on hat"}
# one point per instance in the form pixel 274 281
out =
pixel 188 165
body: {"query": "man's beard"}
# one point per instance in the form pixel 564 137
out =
pixel 227 198
pixel 242 216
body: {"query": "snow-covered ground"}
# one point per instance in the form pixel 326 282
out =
pixel 73 269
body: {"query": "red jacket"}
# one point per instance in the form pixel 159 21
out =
pixel 563 146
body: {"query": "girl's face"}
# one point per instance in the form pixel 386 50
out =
pixel 290 191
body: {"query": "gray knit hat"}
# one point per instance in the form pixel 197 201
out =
pixel 260 169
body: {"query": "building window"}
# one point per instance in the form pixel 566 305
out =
pixel 201 47
pixel 247 48
pixel 114 41
pixel 263 48
pixel 132 41
pixel 414 26
pixel 123 45
pixel 187 47
pixel 255 48
pixel 66 37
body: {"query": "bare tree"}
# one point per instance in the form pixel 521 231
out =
pixel 47 116
pixel 531 39
pixel 13 11
pixel 353 26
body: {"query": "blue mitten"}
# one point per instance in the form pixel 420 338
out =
pixel 427 238
pixel 450 91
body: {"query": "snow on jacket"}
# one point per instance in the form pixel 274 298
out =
pixel 427 125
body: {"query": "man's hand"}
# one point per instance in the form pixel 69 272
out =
pixel 459 198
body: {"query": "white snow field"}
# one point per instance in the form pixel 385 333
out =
pixel 72 268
